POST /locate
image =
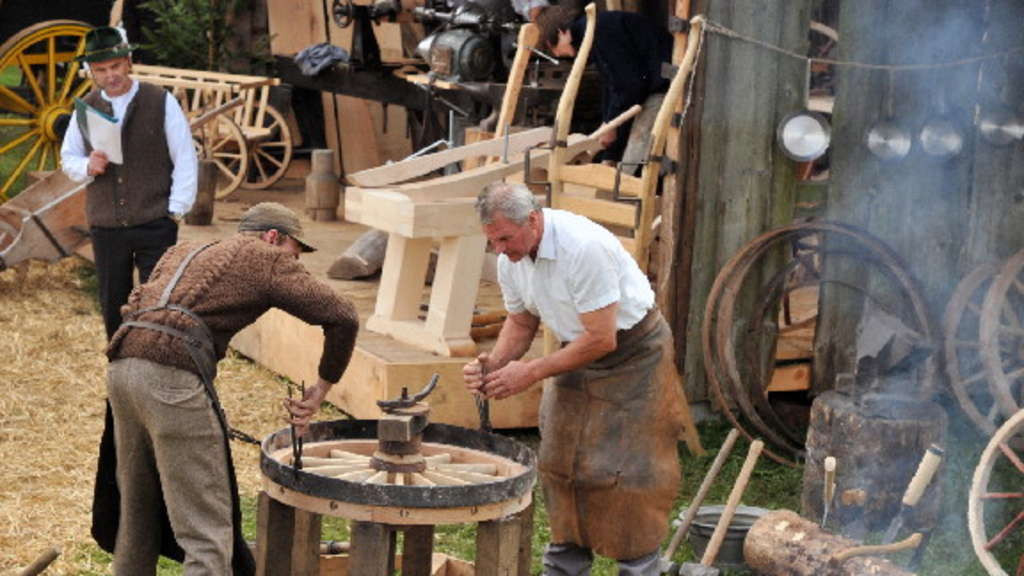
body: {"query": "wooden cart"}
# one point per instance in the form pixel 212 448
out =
pixel 251 146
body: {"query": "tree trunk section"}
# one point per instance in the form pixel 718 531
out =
pixel 783 543
pixel 877 443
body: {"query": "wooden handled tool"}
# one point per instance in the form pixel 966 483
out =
pixel 483 405
pixel 829 488
pixel 918 483
pixel 909 542
pixel 711 552
pixel 702 492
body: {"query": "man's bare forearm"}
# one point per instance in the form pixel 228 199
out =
pixel 514 340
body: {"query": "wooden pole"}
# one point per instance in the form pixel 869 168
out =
pixel 743 185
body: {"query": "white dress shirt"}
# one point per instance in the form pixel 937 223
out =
pixel 184 177
pixel 580 267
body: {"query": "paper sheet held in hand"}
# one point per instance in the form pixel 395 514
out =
pixel 102 131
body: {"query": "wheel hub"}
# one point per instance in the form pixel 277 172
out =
pixel 54 122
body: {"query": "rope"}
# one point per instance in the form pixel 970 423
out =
pixel 711 26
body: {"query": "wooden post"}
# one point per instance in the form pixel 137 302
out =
pixel 373 549
pixel 743 185
pixel 525 540
pixel 323 191
pixel 201 213
pixel 497 547
pixel 287 540
pixel 417 549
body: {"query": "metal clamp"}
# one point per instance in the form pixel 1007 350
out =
pixel 627 199
pixel 526 171
pixel 677 25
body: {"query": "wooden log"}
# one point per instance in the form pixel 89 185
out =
pixel 781 542
pixel 362 258
pixel 877 443
pixel 322 189
pixel 201 213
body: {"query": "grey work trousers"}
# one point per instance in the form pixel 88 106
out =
pixel 169 445
pixel 571 560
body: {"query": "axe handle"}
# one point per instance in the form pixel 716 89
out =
pixel 923 476
pixel 909 542
pixel 711 552
pixel 702 492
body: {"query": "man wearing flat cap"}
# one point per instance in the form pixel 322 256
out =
pixel 132 208
pixel 171 436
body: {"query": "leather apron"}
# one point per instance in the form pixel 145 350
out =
pixel 608 453
pixel 198 341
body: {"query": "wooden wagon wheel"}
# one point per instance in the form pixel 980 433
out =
pixel 222 141
pixel 994 505
pixel 961 325
pixel 798 270
pixel 1002 336
pixel 40 63
pixel 458 475
pixel 270 153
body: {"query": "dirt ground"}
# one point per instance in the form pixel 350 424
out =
pixel 51 413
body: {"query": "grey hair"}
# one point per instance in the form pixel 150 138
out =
pixel 513 201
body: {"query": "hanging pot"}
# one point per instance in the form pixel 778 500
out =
pixel 941 138
pixel 1001 127
pixel 888 141
pixel 803 136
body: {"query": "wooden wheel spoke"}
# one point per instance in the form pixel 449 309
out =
pixel 974 379
pixel 1012 456
pixel 1011 315
pixel 993 413
pixel 72 73
pixel 20 140
pixel 51 68
pixel 17 122
pixel 970 344
pixel 1015 374
pixel 81 89
pixel 16 103
pixel 224 168
pixel 1002 495
pixel 1011 329
pixel 33 84
pixel 1004 532
pixel 974 307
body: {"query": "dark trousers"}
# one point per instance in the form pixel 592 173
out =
pixel 118 251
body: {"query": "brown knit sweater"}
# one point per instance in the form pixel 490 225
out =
pixel 229 285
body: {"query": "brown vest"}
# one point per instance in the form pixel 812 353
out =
pixel 137 191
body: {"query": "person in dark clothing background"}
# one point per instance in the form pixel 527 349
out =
pixel 628 51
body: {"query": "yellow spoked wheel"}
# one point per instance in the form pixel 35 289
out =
pixel 39 79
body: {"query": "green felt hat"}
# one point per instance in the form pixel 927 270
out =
pixel 104 43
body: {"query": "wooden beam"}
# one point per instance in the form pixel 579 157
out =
pixel 602 177
pixel 414 167
pixel 608 212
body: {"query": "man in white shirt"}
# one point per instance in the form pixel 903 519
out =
pixel 609 428
pixel 133 209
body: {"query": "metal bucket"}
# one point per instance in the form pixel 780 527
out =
pixel 730 555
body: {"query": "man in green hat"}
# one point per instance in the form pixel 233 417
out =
pixel 132 208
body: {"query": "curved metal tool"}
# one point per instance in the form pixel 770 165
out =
pixel 406 401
